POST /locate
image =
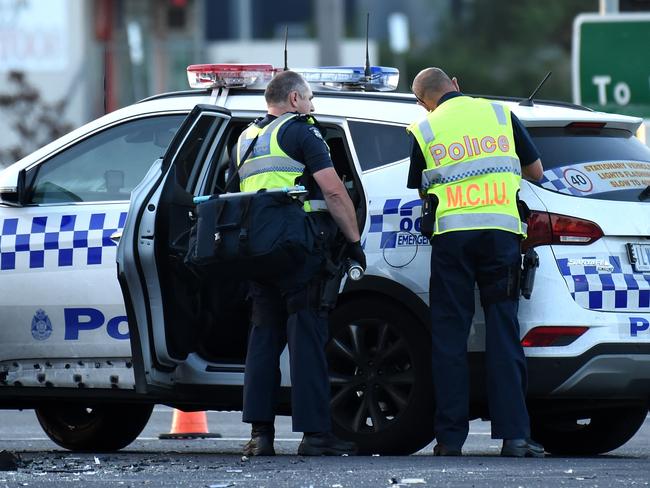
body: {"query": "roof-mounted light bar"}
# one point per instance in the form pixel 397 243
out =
pixel 380 78
pixel 229 75
pixel 353 78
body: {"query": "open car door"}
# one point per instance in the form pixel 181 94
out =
pixel 160 291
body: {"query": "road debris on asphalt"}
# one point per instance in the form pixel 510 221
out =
pixel 396 482
pixel 9 461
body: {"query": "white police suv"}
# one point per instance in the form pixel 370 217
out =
pixel 92 359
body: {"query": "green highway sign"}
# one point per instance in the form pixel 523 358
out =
pixel 611 63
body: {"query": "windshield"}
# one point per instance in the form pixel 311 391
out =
pixel 605 164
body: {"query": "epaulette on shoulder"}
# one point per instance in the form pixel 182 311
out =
pixel 307 118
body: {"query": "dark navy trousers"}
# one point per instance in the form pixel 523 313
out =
pixel 282 315
pixel 457 259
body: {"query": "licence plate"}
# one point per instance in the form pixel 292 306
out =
pixel 639 255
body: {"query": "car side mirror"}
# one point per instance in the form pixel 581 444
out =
pixel 12 192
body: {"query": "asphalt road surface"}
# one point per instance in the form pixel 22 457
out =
pixel 217 463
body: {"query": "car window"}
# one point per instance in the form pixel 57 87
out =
pixel 107 165
pixel 605 164
pixel 194 149
pixel 378 144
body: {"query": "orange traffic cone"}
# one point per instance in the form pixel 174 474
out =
pixel 189 425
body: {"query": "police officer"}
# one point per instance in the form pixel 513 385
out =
pixel 289 148
pixel 468 159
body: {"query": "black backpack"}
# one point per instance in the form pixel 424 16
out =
pixel 254 235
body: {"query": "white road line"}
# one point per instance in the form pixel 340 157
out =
pixel 223 439
pixel 227 439
pixel 13 439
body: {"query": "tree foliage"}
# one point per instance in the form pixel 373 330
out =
pixel 34 121
pixel 505 47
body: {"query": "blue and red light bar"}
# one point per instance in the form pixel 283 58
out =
pixel 229 75
pixel 378 78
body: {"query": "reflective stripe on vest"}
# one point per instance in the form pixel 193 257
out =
pixel 479 221
pixel 476 167
pixel 316 206
pixel 472 167
pixel 500 113
pixel 425 129
pixel 268 166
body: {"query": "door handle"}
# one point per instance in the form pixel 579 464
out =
pixel 116 236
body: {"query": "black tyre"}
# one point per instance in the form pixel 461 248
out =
pixel 602 431
pixel 101 428
pixel 380 374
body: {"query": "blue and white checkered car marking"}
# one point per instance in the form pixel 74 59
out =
pixel 592 178
pixel 553 179
pixel 394 219
pixel 620 288
pixel 59 241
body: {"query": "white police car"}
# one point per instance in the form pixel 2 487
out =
pixel 67 350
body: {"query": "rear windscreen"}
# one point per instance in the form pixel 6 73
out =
pixel 605 164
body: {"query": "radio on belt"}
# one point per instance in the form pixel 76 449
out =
pixel 530 264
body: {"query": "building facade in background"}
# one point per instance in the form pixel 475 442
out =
pixel 89 57
pixel 83 58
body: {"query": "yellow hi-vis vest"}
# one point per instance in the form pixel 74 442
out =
pixel 471 165
pixel 268 166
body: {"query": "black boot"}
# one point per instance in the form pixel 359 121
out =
pixel 325 444
pixel 444 450
pixel 261 443
pixel 521 448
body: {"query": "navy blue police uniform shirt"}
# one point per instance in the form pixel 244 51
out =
pixel 304 143
pixel 524 147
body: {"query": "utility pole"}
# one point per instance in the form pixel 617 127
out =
pixel 244 17
pixel 398 37
pixel 608 7
pixel 160 56
pixel 329 25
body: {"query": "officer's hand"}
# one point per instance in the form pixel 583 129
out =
pixel 355 253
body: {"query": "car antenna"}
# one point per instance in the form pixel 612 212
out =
pixel 286 37
pixel 529 101
pixel 367 70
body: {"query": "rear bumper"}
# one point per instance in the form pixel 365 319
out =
pixel 604 372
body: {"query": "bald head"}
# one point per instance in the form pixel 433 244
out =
pixel 432 83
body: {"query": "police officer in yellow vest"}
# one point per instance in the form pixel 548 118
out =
pixel 288 149
pixel 467 162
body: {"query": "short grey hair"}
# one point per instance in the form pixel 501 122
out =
pixel 282 84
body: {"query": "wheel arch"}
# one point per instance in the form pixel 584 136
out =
pixel 388 291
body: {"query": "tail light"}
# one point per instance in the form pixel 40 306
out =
pixel 549 228
pixel 549 336
pixel 586 125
